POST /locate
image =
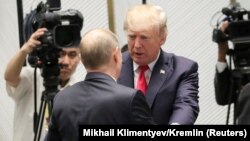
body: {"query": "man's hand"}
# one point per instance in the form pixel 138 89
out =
pixel 223 46
pixel 33 41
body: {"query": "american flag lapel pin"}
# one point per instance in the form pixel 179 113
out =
pixel 162 71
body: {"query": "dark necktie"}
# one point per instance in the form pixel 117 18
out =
pixel 142 82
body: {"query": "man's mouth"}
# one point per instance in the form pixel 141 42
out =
pixel 138 54
pixel 64 71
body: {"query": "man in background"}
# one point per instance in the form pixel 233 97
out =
pixel 20 83
pixel 231 86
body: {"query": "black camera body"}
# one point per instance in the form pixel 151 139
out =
pixel 64 29
pixel 239 24
pixel 238 33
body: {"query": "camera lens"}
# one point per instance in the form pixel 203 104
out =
pixel 67 36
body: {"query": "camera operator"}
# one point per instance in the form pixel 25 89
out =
pixel 227 83
pixel 19 83
pixel 222 71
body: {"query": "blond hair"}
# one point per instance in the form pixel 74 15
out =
pixel 144 16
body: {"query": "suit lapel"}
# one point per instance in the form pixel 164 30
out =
pixel 162 70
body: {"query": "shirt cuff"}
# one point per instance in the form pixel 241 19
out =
pixel 175 123
pixel 221 66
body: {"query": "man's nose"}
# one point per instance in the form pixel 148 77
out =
pixel 137 43
pixel 64 59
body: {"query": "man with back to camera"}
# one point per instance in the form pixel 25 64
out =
pixel 172 81
pixel 98 100
pixel 19 83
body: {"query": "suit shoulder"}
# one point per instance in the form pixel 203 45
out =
pixel 68 91
pixel 127 92
pixel 125 89
pixel 183 59
pixel 180 59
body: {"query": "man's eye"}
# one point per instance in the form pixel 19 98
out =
pixel 131 37
pixel 72 54
pixel 62 54
pixel 144 37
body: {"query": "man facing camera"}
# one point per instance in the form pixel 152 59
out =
pixel 170 82
pixel 98 99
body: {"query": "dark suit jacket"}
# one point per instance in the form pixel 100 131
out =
pixel 228 89
pixel 222 86
pixel 97 100
pixel 227 84
pixel 243 106
pixel 172 91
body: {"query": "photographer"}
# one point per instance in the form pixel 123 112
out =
pixel 231 86
pixel 222 77
pixel 19 83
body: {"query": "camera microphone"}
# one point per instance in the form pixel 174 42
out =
pixel 54 5
pixel 227 11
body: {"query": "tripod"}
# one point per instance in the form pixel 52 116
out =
pixel 236 82
pixel 46 101
pixel 50 73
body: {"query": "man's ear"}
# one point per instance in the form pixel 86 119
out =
pixel 163 38
pixel 116 54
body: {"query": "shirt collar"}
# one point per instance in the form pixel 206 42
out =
pixel 71 81
pixel 113 78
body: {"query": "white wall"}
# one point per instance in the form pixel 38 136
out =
pixel 8 45
pixel 189 35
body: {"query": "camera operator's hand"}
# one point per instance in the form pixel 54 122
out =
pixel 14 67
pixel 223 46
pixel 33 41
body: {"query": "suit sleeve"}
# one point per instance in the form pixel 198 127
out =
pixel 222 87
pixel 140 111
pixel 186 107
pixel 243 106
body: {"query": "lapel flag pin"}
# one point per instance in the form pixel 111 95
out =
pixel 162 71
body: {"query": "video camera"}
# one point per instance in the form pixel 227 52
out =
pixel 64 28
pixel 238 32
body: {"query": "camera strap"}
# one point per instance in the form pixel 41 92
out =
pixel 27 25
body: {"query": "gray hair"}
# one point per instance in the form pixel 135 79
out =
pixel 96 47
